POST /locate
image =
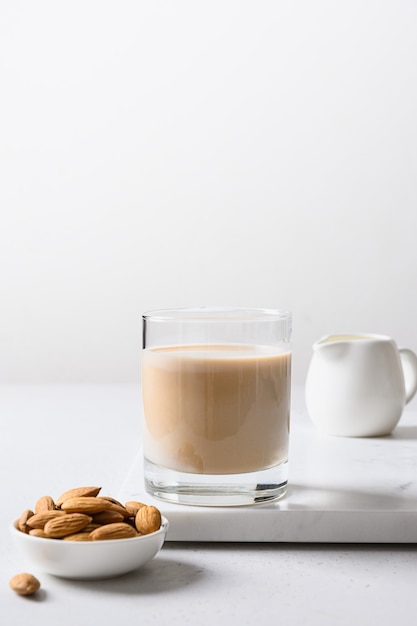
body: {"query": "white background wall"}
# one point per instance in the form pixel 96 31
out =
pixel 167 153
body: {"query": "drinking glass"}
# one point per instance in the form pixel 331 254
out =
pixel 216 389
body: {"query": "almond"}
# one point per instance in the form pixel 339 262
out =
pixel 85 504
pixel 77 492
pixel 81 515
pixel 132 507
pixel 82 536
pixel 118 530
pixel 91 526
pixel 44 504
pixel 38 520
pixel 119 508
pixel 148 520
pixel 108 517
pixel 37 532
pixel 24 584
pixel 115 505
pixel 22 522
pixel 66 524
pixel 112 500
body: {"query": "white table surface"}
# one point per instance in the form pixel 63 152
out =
pixel 56 437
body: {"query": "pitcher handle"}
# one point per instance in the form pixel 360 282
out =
pixel 409 363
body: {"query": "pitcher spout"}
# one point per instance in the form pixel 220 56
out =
pixel 336 346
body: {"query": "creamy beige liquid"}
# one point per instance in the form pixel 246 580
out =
pixel 216 409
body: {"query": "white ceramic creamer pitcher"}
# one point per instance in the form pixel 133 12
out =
pixel 358 385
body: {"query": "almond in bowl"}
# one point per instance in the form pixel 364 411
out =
pixel 84 535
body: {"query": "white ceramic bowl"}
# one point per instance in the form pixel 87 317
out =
pixel 89 559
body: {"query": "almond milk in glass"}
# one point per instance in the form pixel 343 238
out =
pixel 216 388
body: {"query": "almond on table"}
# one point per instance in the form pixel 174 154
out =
pixel 24 584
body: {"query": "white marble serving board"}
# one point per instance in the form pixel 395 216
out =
pixel 340 490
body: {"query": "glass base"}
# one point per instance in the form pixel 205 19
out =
pixel 216 490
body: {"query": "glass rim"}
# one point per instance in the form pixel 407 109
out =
pixel 217 314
